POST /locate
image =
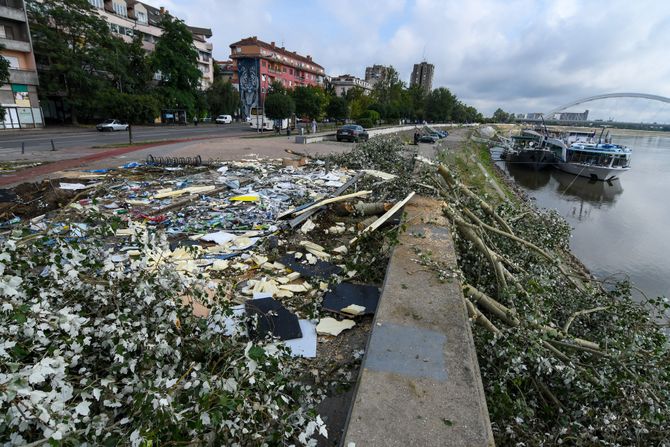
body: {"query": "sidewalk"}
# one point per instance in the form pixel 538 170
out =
pixel 419 383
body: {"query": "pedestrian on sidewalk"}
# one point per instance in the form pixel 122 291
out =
pixel 195 121
pixel 313 126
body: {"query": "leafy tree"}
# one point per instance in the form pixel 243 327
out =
pixel 176 58
pixel 388 87
pixel 359 102
pixel 4 77
pixel 500 116
pixel 309 101
pixel 369 118
pixel 222 98
pixel 338 108
pixel 70 34
pixel 440 105
pixel 277 87
pixel 416 98
pixel 134 109
pixel 279 106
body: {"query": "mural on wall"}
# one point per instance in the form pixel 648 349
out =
pixel 249 75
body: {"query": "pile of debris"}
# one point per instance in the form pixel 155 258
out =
pixel 163 292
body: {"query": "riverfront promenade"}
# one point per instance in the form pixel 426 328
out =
pixel 419 382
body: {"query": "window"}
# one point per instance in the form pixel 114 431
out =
pixel 3 34
pixel 263 63
pixel 13 61
pixel 114 27
pixel 120 9
pixel 97 3
pixel 129 32
pixel 141 17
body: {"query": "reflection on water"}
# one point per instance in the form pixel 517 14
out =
pixel 619 227
pixel 528 178
pixel 582 188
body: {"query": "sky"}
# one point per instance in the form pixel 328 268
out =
pixel 519 55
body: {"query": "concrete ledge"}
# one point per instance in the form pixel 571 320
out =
pixel 419 383
pixel 314 138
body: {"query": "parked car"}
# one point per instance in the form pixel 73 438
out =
pixel 112 125
pixel 352 132
pixel 428 138
pixel 224 119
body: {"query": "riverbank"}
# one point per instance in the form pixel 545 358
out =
pixel 562 360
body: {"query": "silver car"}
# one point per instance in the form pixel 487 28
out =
pixel 112 126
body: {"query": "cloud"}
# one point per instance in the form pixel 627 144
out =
pixel 521 55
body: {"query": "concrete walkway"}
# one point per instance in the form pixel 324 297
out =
pixel 419 383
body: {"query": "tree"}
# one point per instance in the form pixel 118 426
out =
pixel 176 58
pixel 309 101
pixel 500 116
pixel 134 109
pixel 4 77
pixel 222 98
pixel 70 34
pixel 338 108
pixel 440 104
pixel 276 87
pixel 135 72
pixel 279 106
pixel 358 101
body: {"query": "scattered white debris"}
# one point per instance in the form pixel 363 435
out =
pixel 331 326
pixel 353 309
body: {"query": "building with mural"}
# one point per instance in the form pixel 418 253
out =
pixel 257 64
pixel 19 97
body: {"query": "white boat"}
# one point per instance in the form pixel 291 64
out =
pixel 579 153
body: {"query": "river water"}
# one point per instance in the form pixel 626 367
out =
pixel 620 228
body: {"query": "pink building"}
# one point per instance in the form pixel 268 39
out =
pixel 276 64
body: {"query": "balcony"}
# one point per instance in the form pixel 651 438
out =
pixel 12 10
pixel 15 45
pixel 27 77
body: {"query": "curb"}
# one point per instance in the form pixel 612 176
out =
pixel 28 174
pixel 419 383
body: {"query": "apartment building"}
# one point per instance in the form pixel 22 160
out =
pixel 375 73
pixel 277 64
pixel 226 70
pixel 127 18
pixel 422 75
pixel 343 83
pixel 19 97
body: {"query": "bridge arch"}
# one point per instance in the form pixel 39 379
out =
pixel 605 96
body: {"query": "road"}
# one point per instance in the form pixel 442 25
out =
pixel 37 142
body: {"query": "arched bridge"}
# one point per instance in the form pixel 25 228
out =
pixel 606 96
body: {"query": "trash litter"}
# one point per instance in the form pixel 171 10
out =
pixel 174 161
pixel 353 309
pixel 331 326
pixel 272 319
pixel 7 195
pixel 73 186
pixel 346 294
pixel 304 346
pixel 320 269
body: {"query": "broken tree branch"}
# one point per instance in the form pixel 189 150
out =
pixel 579 313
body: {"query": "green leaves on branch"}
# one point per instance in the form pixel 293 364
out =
pixel 279 106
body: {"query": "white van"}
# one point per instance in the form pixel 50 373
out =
pixel 224 119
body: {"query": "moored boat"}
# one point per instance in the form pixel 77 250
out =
pixel 579 153
pixel 528 150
